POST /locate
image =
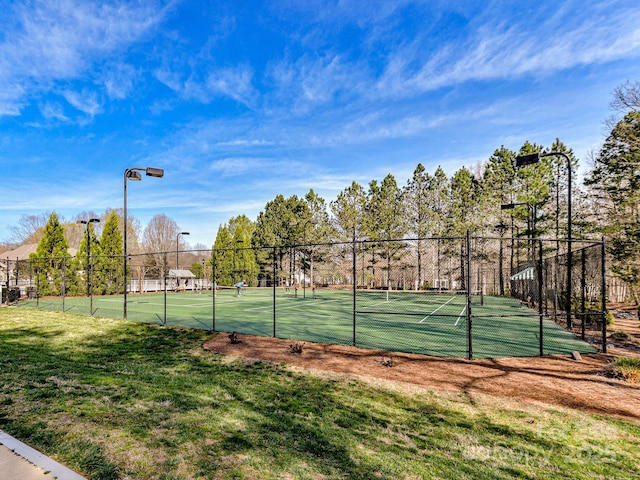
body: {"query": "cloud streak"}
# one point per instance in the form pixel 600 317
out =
pixel 50 42
pixel 239 104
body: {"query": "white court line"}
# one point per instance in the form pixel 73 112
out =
pixel 460 316
pixel 433 313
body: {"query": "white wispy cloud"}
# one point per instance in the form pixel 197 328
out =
pixel 246 143
pixel 53 111
pixel 118 79
pixel 12 97
pixel 494 50
pixel 85 101
pixel 48 42
pixel 235 83
pixel 227 167
pixel 189 83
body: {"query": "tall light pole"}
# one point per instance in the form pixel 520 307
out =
pixel 87 223
pixel 523 160
pixel 177 245
pixel 133 174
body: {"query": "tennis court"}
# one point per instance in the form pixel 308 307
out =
pixel 429 323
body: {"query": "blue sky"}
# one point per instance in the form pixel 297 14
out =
pixel 241 100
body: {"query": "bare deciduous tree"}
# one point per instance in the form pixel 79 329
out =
pixel 160 236
pixel 30 228
pixel 626 97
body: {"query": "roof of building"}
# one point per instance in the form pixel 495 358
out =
pixel 181 273
pixel 20 253
pixel 23 252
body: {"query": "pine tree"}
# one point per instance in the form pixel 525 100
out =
pixel 52 259
pixel 385 221
pixel 440 200
pixel 277 226
pixel 497 189
pixel 615 181
pixel 85 263
pixel 108 277
pixel 419 213
pixel 317 229
pixel 463 215
pixel 236 259
pixel 498 185
pixel 349 213
pixel 222 256
pixel 464 202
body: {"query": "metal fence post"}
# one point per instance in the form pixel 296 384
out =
pixel 583 292
pixel 164 274
pixel 355 288
pixel 64 280
pixel 38 267
pixel 604 296
pixel 274 291
pixel 7 284
pixel 469 316
pixel 214 291
pixel 569 281
pixel 540 297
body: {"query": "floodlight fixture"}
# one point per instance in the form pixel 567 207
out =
pixel 154 172
pixel 510 206
pixel 134 175
pixel 522 160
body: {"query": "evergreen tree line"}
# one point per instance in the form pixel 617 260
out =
pixel 429 205
pixel 96 267
pixel 495 199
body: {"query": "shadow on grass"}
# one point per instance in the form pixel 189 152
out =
pixel 79 388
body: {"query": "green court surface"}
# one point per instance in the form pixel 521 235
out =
pixel 416 322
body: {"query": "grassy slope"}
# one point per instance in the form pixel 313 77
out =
pixel 114 399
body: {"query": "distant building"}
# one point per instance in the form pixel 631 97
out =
pixel 8 259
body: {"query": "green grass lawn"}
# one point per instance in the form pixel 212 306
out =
pixel 431 324
pixel 114 399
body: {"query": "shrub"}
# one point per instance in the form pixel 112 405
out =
pixel 234 338
pixel 619 335
pixel 610 319
pixel 387 361
pixel 296 347
pixel 627 369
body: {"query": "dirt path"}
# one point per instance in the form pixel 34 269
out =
pixel 554 380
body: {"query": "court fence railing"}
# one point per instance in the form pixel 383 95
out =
pixel 493 296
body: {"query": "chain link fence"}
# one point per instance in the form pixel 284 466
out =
pixel 471 297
